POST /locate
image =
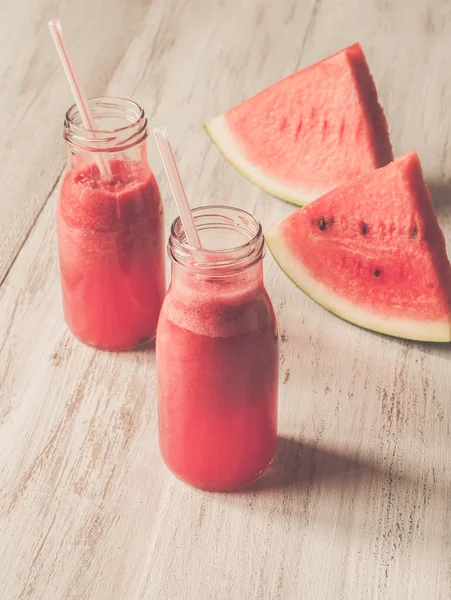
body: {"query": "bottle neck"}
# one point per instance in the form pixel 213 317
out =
pixel 231 242
pixel 230 262
pixel 243 282
pixel 121 134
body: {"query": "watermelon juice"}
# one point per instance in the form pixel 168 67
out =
pixel 110 235
pixel 217 358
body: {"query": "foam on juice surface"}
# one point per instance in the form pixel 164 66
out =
pixel 90 202
pixel 219 309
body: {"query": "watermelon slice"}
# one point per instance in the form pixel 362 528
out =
pixel 309 133
pixel 372 252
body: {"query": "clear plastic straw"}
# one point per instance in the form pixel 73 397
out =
pixel 178 191
pixel 80 98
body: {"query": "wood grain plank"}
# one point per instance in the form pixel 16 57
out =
pixel 357 502
pixel 34 96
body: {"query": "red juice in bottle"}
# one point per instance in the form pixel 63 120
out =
pixel 110 231
pixel 217 358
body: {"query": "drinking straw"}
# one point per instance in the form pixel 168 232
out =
pixel 178 191
pixel 56 32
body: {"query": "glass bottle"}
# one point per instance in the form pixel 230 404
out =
pixel 217 355
pixel 110 229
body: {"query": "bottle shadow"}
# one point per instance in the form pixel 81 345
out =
pixel 311 485
pixel 297 465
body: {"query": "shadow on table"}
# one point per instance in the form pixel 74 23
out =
pixel 438 349
pixel 145 347
pixel 309 486
pixel 298 465
pixel 441 197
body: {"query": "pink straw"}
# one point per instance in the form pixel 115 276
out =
pixel 56 32
pixel 178 191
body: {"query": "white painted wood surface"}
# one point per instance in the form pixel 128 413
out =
pixel 358 502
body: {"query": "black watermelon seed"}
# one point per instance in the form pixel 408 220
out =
pixel 364 228
pixel 377 272
pixel 322 223
pixel 414 231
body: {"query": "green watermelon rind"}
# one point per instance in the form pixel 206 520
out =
pixel 224 140
pixel 437 331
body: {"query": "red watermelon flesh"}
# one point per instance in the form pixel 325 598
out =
pixel 373 252
pixel 310 132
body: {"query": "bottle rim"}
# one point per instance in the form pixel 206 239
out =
pixel 131 126
pixel 218 262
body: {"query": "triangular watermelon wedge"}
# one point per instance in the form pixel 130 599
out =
pixel 372 252
pixel 309 133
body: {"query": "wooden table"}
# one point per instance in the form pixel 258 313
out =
pixel 358 503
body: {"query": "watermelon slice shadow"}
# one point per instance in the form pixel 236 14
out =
pixel 441 197
pixel 437 349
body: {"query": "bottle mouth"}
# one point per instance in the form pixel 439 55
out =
pixel 121 124
pixel 231 238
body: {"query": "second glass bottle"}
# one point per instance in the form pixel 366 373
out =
pixel 110 229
